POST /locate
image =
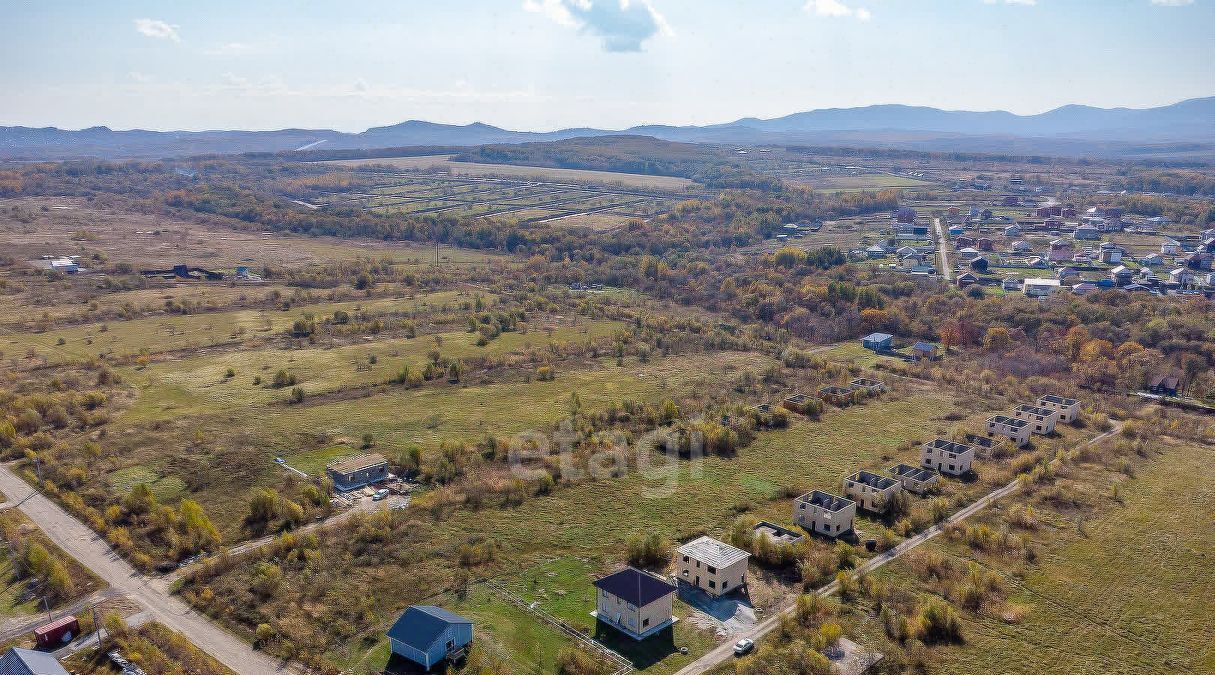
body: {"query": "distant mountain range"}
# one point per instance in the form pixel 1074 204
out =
pixel 1185 129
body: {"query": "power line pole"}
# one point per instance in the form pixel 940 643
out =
pixel 97 627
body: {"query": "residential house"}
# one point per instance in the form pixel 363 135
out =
pixel 1170 247
pixel 1199 260
pixel 966 279
pixel 1084 288
pixel 1013 230
pixel 1122 275
pixel 878 342
pixel 956 230
pixel 1110 253
pixel 429 635
pixel 1066 272
pixel 1012 283
pixel 1165 385
pixel 985 244
pixel 634 602
pixel 915 479
pixel 924 350
pixel 1061 250
pixel 871 491
pixel 712 566
pixel 1067 409
pixel 824 513
pixel 947 457
pixel 964 242
pixel 876 251
pixel 1152 259
pixel 904 251
pixel 980 265
pixel 1041 419
pixel 1181 276
pixel 1088 232
pixel 353 473
pixel 967 254
pixel 871 386
pixel 1022 246
pixel 1039 288
pixel 912 261
pixel 1015 430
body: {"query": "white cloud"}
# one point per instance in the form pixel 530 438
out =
pixel 622 25
pixel 155 28
pixel 836 9
pixel 1172 3
pixel 230 49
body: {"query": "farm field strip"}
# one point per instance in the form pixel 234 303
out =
pixel 522 200
pixel 444 162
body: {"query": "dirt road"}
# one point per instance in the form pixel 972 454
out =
pixel 946 269
pixel 152 595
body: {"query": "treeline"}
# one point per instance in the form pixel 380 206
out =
pixel 1173 181
pixel 629 154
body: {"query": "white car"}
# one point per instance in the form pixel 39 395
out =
pixel 743 646
pixel 380 494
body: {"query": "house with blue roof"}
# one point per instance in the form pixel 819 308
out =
pixel 429 635
pixel 635 603
pixel 878 342
pixel 18 661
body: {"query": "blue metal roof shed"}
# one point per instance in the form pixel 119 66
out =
pixel 427 635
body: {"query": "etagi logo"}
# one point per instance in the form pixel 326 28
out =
pixel 662 457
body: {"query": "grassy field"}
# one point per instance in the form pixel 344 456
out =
pixel 444 163
pixel 199 384
pixel 1133 591
pixel 197 331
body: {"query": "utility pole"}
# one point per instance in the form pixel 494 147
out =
pixel 97 627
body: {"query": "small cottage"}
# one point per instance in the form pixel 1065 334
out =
pixel 429 635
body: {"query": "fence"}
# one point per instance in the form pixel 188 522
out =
pixel 624 666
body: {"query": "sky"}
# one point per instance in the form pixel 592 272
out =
pixel 549 64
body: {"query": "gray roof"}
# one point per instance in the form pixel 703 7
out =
pixel 420 625
pixel 949 446
pixel 913 472
pixel 712 552
pixel 1009 421
pixel 826 500
pixel 18 661
pixel 871 479
pixel 1035 410
pixel 1059 400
